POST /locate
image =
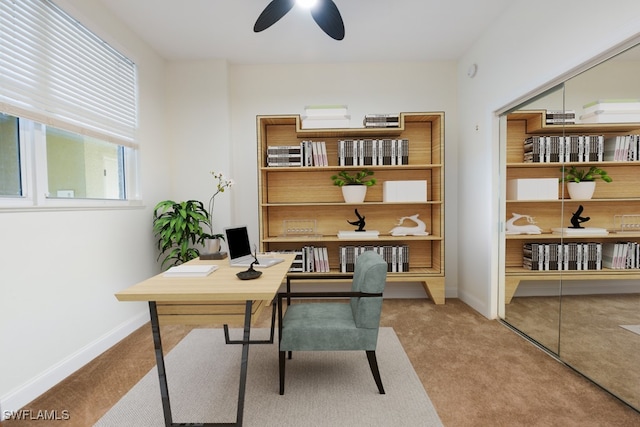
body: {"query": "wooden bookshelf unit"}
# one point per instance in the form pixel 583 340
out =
pixel 307 193
pixel 622 196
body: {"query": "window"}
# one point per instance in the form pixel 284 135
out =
pixel 10 177
pixel 46 166
pixel 83 167
pixel 68 111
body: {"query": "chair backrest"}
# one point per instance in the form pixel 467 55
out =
pixel 370 277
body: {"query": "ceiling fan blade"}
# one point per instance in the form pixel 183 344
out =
pixel 327 16
pixel 272 14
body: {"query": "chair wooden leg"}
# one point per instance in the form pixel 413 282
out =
pixel 373 364
pixel 282 365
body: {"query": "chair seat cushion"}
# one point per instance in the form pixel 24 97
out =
pixel 324 326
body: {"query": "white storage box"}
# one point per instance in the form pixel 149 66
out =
pixel 532 189
pixel 404 191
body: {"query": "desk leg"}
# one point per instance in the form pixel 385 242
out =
pixel 162 375
pixel 244 360
pixel 228 340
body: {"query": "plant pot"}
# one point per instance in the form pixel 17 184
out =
pixel 354 193
pixel 211 246
pixel 581 190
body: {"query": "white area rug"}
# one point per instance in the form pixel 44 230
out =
pixel 322 388
pixel 633 328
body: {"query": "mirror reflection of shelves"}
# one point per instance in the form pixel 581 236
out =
pixel 305 192
pixel 611 202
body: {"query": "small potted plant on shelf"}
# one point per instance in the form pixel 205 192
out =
pixel 354 186
pixel 581 183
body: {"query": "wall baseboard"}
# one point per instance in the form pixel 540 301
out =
pixel 21 396
pixel 543 288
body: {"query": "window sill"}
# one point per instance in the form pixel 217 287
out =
pixel 62 204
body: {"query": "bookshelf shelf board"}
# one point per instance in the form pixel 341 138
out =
pixel 577 201
pixel 432 202
pixel 613 235
pixel 558 165
pixel 413 272
pixel 535 125
pixel 303 169
pixel 381 239
pixel 605 273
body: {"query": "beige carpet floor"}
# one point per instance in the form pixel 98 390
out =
pixel 476 371
pixel 323 389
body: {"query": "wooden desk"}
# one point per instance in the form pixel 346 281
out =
pixel 195 299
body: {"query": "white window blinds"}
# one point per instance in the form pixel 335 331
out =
pixel 55 71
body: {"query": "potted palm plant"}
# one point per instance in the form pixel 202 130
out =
pixel 354 186
pixel 581 183
pixel 182 228
pixel 178 226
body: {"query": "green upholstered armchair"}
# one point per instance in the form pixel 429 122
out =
pixel 331 326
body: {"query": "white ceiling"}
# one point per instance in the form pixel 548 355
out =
pixel 375 30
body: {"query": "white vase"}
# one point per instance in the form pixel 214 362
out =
pixel 581 190
pixel 354 193
pixel 211 246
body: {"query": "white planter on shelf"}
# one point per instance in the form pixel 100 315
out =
pixel 211 246
pixel 581 190
pixel 354 193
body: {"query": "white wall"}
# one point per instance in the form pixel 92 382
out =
pixel 514 59
pixel 60 269
pixel 198 131
pixel 364 88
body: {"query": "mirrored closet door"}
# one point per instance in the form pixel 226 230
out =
pixel 570 262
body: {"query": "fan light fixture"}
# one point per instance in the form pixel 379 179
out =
pixel 307 4
pixel 324 12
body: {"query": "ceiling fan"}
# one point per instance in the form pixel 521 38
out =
pixel 324 12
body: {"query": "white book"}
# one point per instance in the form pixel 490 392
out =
pixel 325 110
pixel 618 105
pixel 325 259
pixel 611 117
pixel 190 270
pixel 327 122
pixel 316 153
pixel 317 259
pixel 622 255
pixel 323 154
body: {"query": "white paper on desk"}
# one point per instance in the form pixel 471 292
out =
pixel 190 270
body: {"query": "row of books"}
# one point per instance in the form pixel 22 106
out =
pixel 581 148
pixel 621 255
pixel 562 256
pixel 310 259
pixel 581 256
pixel 381 120
pixel 396 257
pixel 556 117
pixel 623 148
pixel 556 149
pixel 307 153
pixel 373 152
